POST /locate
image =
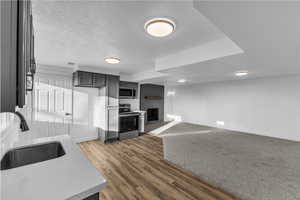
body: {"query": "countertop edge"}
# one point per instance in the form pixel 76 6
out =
pixel 89 192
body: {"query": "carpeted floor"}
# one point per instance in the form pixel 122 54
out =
pixel 249 166
pixel 187 128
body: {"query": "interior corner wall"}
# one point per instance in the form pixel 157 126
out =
pixel 266 106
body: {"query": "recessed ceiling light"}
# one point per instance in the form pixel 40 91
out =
pixel 171 93
pixel 112 60
pixel 71 63
pixel 159 27
pixel 241 73
pixel 181 81
pixel 220 123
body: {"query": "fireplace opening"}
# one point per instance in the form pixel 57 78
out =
pixel 152 114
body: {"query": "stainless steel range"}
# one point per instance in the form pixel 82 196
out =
pixel 128 122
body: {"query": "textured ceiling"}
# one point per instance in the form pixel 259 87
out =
pixel 267 32
pixel 261 37
pixel 85 32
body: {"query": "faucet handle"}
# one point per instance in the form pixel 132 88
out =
pixel 23 123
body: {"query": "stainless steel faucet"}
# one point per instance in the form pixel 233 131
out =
pixel 23 124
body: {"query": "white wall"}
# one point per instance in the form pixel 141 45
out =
pixel 85 114
pixel 83 101
pixel 6 120
pixel 269 106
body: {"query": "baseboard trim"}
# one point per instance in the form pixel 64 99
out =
pixel 85 139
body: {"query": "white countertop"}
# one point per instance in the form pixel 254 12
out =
pixel 70 177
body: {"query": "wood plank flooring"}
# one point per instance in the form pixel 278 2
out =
pixel 135 170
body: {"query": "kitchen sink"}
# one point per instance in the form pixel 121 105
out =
pixel 31 154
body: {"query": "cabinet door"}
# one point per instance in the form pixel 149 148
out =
pixel 98 80
pixel 32 58
pixel 126 84
pixel 85 79
pixel 113 123
pixel 28 37
pixel 15 21
pixel 8 69
pixel 22 51
pixel 113 90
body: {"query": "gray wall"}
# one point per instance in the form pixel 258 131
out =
pixel 266 106
pixel 152 90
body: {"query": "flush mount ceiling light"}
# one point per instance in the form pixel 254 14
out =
pixel 220 123
pixel 159 27
pixel 112 60
pixel 241 73
pixel 181 81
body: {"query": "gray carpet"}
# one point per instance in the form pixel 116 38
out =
pixel 251 167
pixel 187 128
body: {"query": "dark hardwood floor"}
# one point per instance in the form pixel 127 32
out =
pixel 135 169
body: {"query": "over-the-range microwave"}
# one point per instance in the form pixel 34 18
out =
pixel 127 93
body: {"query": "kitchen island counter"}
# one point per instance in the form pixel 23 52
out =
pixel 69 177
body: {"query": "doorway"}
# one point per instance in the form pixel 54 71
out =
pixel 52 105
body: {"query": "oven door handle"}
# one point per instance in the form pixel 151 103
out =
pixel 129 115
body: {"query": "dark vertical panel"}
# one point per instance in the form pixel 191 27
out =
pixel 15 52
pixel 8 55
pixel 151 90
pixel 21 69
pixel 113 90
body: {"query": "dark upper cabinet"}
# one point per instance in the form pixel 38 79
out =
pixel 113 83
pixel 127 84
pixel 9 19
pixel 88 79
pixel 82 79
pixel 17 55
pixel 98 80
